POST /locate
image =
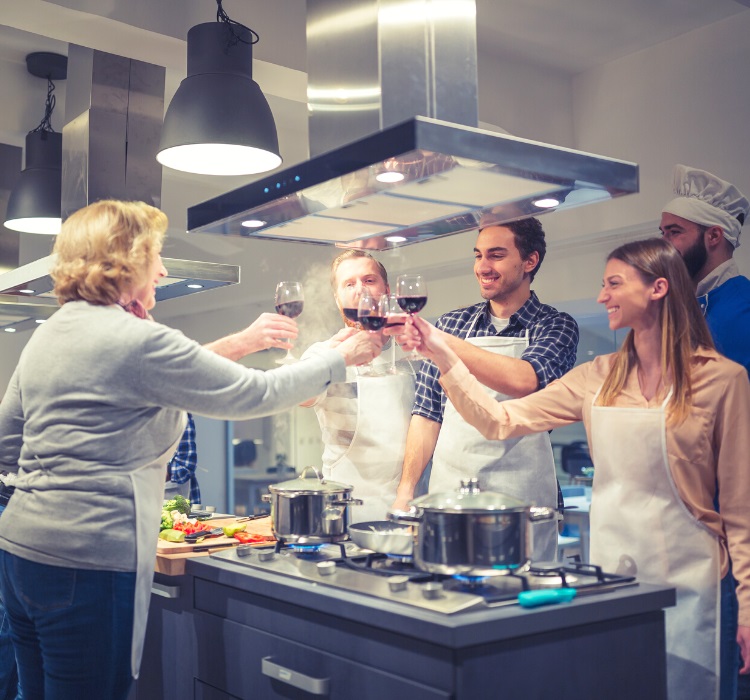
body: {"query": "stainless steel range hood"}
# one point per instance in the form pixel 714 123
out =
pixel 185 277
pixel 453 177
pixel 373 67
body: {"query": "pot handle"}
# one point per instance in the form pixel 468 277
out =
pixel 537 513
pixel 266 498
pixel 404 516
pixel 347 502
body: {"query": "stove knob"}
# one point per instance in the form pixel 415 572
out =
pixel 326 568
pixel 244 550
pixel 432 590
pixel 266 556
pixel 397 583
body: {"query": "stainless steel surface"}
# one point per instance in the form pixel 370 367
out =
pixel 114 110
pixel 453 177
pixel 401 582
pixel 309 684
pixel 164 591
pixel 310 509
pixel 393 89
pixel 375 63
pixel 471 532
pixel 18 313
pixel 181 274
pixel 397 583
pixel 326 568
pixel 383 536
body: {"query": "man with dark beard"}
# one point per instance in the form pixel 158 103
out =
pixel 703 222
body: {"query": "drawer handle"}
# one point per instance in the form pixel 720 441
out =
pixel 165 591
pixel 314 686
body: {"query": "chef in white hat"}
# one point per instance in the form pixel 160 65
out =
pixel 704 222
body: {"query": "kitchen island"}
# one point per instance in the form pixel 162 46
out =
pixel 220 631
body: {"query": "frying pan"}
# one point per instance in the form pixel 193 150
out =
pixel 383 536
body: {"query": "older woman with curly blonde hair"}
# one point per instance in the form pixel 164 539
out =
pixel 90 418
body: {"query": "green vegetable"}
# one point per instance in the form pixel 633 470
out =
pixel 179 503
pixel 172 535
pixel 232 530
pixel 166 520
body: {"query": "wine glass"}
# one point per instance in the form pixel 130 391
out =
pixel 371 314
pixel 411 293
pixel 395 317
pixel 289 302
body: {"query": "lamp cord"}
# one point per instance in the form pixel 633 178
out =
pixel 49 107
pixel 222 16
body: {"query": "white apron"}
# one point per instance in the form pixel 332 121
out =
pixel 148 496
pixel 520 467
pixel 373 462
pixel 640 526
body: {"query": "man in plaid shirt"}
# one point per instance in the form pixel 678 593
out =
pixel 182 466
pixel 514 345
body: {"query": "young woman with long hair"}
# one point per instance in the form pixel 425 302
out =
pixel 668 424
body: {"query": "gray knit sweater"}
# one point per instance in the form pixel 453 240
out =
pixel 97 393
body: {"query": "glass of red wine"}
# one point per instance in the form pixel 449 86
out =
pixel 371 314
pixel 289 302
pixel 395 319
pixel 411 293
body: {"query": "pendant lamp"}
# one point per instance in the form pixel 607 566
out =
pixel 34 204
pixel 219 122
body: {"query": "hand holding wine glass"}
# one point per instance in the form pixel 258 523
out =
pixel 289 302
pixel 394 324
pixel 411 293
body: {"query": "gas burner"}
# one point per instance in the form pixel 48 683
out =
pixel 401 559
pixel 304 548
pixel 470 583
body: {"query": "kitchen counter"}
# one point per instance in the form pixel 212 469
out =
pixel 222 631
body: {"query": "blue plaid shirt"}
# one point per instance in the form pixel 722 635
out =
pixel 553 340
pixel 183 464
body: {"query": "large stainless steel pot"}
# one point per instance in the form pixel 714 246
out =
pixel 471 532
pixel 310 509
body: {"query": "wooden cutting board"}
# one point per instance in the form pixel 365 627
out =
pixel 261 526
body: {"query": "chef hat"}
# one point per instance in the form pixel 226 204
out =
pixel 708 200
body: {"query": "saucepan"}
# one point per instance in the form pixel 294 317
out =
pixel 310 509
pixel 384 536
pixel 471 532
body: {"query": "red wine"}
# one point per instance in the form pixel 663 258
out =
pixel 292 309
pixel 372 323
pixel 394 323
pixel 412 304
pixel 351 314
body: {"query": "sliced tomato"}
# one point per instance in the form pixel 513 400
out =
pixel 248 538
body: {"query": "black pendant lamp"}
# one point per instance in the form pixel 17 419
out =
pixel 34 204
pixel 219 122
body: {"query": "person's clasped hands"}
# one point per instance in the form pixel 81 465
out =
pixel 357 347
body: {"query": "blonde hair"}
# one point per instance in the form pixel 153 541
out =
pixel 356 253
pixel 104 249
pixel 683 328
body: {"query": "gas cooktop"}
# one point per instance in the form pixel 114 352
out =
pixel 346 566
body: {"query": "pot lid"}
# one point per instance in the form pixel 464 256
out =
pixel 468 498
pixel 310 481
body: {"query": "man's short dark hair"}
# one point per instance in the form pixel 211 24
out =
pixel 528 235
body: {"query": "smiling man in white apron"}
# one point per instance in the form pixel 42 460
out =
pixel 364 419
pixel 514 345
